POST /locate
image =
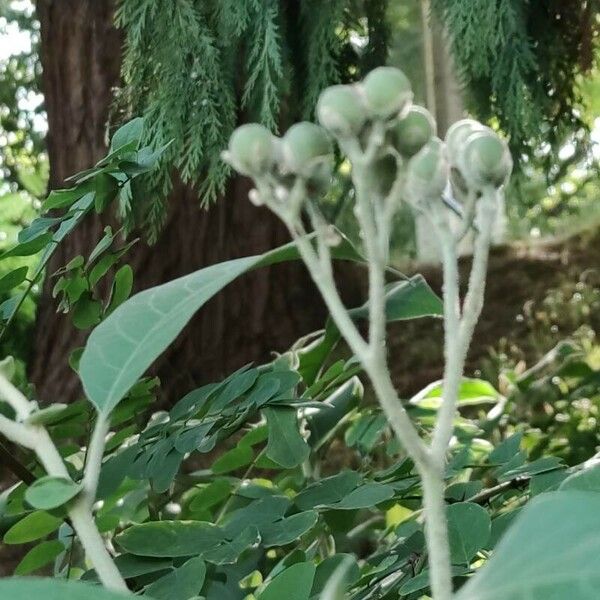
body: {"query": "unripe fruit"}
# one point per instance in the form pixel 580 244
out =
pixel 252 149
pixel 341 110
pixel 427 175
pixel 413 131
pixel 387 92
pixel 456 136
pixel 485 160
pixel 304 147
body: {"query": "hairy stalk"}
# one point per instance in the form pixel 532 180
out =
pixel 436 532
pixel 459 331
pixel 94 459
pixel 367 121
pixel 36 438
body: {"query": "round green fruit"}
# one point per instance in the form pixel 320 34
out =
pixel 456 136
pixel 252 149
pixel 427 175
pixel 341 110
pixel 413 131
pixel 485 160
pixel 304 146
pixel 387 92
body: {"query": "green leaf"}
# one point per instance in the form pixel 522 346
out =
pixel 34 526
pixel 125 344
pixel 287 530
pixel 409 299
pixel 285 445
pixel 28 248
pixel 121 288
pixel 39 556
pixel 295 583
pixel 130 565
pixel 364 496
pixel 506 450
pixel 170 538
pixel 468 530
pixel 51 492
pixel 233 459
pixel 472 392
pixel 230 550
pixel 128 134
pixel 421 581
pixel 55 589
pixel 181 584
pixel 48 415
pixel 587 480
pixel 328 491
pixel 38 227
pixel 87 312
pixel 12 279
pixel 333 574
pixel 552 550
pixel 102 245
pixel 62 198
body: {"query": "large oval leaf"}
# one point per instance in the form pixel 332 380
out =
pixel 125 344
pixel 295 583
pixel 55 589
pixel 34 526
pixel 552 550
pixel 51 492
pixel 171 538
pixel 469 528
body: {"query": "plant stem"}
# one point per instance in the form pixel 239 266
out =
pixel 459 332
pixel 94 458
pixel 436 533
pixel 36 438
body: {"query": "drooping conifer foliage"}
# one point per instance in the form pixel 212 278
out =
pixel 196 68
pixel 520 61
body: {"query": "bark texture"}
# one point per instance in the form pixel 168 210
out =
pixel 264 311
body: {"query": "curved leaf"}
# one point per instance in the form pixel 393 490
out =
pixel 125 344
pixel 51 492
pixel 55 589
pixel 552 550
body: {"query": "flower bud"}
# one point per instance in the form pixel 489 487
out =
pixel 427 175
pixel 457 135
pixel 305 147
pixel 413 131
pixel 341 110
pixel 485 160
pixel 387 92
pixel 251 149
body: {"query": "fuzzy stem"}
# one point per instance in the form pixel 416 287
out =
pixel 36 438
pixel 94 458
pixel 436 533
pixel 459 332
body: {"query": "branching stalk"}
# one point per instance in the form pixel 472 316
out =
pixel 36 438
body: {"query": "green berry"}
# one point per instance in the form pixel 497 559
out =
pixel 413 131
pixel 304 146
pixel 252 149
pixel 427 175
pixel 457 135
pixel 485 160
pixel 387 92
pixel 341 110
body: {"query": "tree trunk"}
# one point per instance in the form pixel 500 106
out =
pixel 264 311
